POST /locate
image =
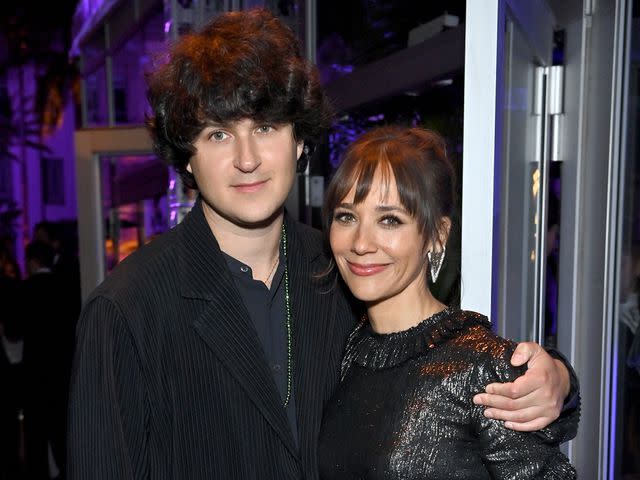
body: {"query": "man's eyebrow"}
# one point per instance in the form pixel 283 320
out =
pixel 212 124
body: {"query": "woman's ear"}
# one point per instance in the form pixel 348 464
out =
pixel 300 148
pixel 443 235
pixel 444 230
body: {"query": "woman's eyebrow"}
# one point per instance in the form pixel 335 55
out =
pixel 345 205
pixel 390 208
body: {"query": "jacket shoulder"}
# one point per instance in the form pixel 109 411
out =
pixel 310 238
pixel 142 271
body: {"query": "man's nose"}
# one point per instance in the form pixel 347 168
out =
pixel 247 155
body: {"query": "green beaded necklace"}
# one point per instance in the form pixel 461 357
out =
pixel 287 318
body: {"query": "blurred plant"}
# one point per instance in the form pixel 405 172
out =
pixel 38 35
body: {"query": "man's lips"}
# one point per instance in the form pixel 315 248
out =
pixel 249 187
pixel 366 269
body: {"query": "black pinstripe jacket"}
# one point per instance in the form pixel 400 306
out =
pixel 170 380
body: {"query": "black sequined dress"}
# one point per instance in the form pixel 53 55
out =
pixel 404 409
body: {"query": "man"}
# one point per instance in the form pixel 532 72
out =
pixel 210 353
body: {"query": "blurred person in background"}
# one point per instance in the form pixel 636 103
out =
pixel 46 354
pixel 12 383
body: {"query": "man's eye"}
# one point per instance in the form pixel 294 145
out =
pixel 218 135
pixel 265 128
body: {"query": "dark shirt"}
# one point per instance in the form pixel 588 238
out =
pixel 404 408
pixel 267 310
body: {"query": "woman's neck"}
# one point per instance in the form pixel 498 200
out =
pixel 402 311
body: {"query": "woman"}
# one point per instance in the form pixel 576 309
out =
pixel 404 407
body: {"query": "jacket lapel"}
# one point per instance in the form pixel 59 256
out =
pixel 225 324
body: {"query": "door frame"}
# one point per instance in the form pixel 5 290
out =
pixel 91 144
pixel 484 100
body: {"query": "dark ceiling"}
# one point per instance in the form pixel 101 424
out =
pixel 371 29
pixel 30 28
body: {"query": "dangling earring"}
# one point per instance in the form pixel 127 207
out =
pixel 436 259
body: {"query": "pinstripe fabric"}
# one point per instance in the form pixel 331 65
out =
pixel 170 380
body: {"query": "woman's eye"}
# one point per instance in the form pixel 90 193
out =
pixel 218 135
pixel 343 217
pixel 391 221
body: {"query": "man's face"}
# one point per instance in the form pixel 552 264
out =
pixel 245 170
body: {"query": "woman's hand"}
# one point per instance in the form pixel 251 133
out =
pixel 535 399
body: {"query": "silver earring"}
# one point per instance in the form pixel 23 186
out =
pixel 436 259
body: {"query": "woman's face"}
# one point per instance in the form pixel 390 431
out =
pixel 377 245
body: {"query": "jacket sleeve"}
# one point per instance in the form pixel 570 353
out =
pixel 565 427
pixel 107 438
pixel 509 454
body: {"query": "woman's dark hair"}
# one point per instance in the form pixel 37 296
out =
pixel 415 158
pixel 241 65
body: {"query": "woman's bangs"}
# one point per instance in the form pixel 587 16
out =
pixel 375 161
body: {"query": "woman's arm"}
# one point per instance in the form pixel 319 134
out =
pixel 548 390
pixel 514 454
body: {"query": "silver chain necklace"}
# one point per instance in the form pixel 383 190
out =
pixel 287 303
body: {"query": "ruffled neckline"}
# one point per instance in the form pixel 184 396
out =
pixel 377 350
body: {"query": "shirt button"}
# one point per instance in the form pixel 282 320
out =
pixel 276 367
pixel 244 269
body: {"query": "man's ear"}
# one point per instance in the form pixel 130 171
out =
pixel 189 169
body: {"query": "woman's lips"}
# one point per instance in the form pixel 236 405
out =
pixel 249 187
pixel 364 270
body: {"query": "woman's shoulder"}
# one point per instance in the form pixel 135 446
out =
pixel 377 351
pixel 490 353
pixel 479 335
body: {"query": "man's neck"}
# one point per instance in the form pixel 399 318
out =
pixel 256 246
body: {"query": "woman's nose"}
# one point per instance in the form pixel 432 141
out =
pixel 363 240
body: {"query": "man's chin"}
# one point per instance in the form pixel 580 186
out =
pixel 250 220
pixel 257 221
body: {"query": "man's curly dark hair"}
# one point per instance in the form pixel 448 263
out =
pixel 241 65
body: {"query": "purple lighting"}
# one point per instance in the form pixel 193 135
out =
pixel 167 26
pixel 342 68
pixel 614 411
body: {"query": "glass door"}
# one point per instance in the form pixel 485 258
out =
pixel 624 367
pixel 135 208
pixel 529 187
pixel 508 133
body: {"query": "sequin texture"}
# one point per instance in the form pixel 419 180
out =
pixel 404 408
